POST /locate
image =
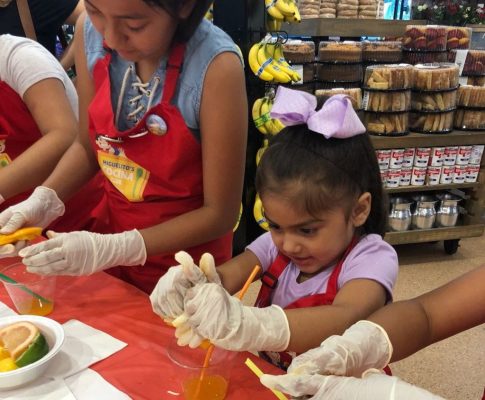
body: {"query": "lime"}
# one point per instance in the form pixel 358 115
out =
pixel 25 342
pixel 7 364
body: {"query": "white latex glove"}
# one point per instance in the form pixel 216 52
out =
pixel 363 346
pixel 167 297
pixel 83 253
pixel 214 314
pixel 374 386
pixel 40 209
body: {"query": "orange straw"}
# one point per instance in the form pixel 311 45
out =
pixel 208 355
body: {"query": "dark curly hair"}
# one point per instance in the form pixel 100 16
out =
pixel 187 26
pixel 321 174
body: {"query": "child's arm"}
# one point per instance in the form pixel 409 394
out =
pixel 236 271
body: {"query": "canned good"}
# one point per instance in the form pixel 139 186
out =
pixel 393 178
pixel 405 179
pixel 397 156
pixel 471 175
pixel 433 175
pixel 421 156
pixel 408 158
pixel 384 173
pixel 447 173
pixel 418 176
pixel 476 154
pixel 459 174
pixel 463 155
pixel 450 155
pixel 437 156
pixel 383 158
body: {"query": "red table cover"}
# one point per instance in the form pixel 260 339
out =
pixel 142 369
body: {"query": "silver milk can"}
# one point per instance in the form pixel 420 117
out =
pixel 400 215
pixel 424 215
pixel 448 210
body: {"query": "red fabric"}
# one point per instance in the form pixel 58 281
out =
pixel 174 161
pixel 142 369
pixel 21 131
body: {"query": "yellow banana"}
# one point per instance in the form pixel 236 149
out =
pixel 234 229
pixel 286 8
pixel 258 119
pixel 271 9
pixel 297 16
pixel 276 125
pixel 272 24
pixel 265 110
pixel 276 51
pixel 269 65
pixel 255 65
pixel 261 150
pixel 259 213
pixel 20 234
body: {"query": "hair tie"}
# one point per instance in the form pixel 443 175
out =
pixel 336 119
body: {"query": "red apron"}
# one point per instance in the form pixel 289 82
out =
pixel 269 281
pixel 18 131
pixel 151 174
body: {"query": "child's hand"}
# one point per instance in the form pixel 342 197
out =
pixel 167 297
pixel 374 386
pixel 214 314
pixel 363 346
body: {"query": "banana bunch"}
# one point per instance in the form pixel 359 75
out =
pixel 283 10
pixel 209 15
pixel 262 119
pixel 259 213
pixel 268 63
pixel 261 150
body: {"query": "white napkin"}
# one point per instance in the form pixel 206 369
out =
pixel 6 311
pixel 41 389
pixel 83 346
pixel 89 385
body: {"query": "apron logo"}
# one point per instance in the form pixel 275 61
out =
pixel 4 158
pixel 156 125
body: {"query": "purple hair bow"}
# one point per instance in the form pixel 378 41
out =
pixel 336 118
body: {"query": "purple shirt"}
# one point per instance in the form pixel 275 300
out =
pixel 371 258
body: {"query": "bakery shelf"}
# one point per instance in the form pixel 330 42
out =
pixel 350 27
pixel 454 138
pixel 427 188
pixel 435 234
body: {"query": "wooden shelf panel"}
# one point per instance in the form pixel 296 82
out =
pixel 427 188
pixel 349 27
pixel 431 235
pixel 454 138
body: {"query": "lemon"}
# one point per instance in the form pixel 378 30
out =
pixel 24 342
pixel 4 353
pixel 7 364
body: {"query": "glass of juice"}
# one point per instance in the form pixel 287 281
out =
pixel 196 381
pixel 30 293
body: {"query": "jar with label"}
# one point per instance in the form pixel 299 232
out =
pixel 421 156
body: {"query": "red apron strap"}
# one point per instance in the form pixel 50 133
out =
pixel 269 280
pixel 174 65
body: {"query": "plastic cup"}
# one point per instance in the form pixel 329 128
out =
pixel 31 294
pixel 189 368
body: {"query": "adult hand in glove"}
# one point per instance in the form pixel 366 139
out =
pixel 374 386
pixel 168 295
pixel 363 346
pixel 84 253
pixel 214 314
pixel 40 209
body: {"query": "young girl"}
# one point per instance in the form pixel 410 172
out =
pixel 390 334
pixel 35 129
pixel 166 90
pixel 324 262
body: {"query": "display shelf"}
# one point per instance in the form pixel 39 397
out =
pixel 431 235
pixel 351 27
pixel 427 188
pixel 454 138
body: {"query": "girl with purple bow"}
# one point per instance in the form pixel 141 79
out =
pixel 324 262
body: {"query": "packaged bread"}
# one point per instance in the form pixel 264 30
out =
pixel 469 119
pixel 385 51
pixel 309 8
pixel 433 101
pixel 458 37
pixel 471 96
pixel 387 101
pixel 308 87
pixel 330 72
pixel 473 61
pixel 425 37
pixel 299 51
pixel 355 95
pixel 431 122
pixel 347 51
pixel 320 85
pixel 475 80
pixel 436 76
pixel 392 124
pixel 388 76
pixel 424 57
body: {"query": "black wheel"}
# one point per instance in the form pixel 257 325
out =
pixel 451 246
